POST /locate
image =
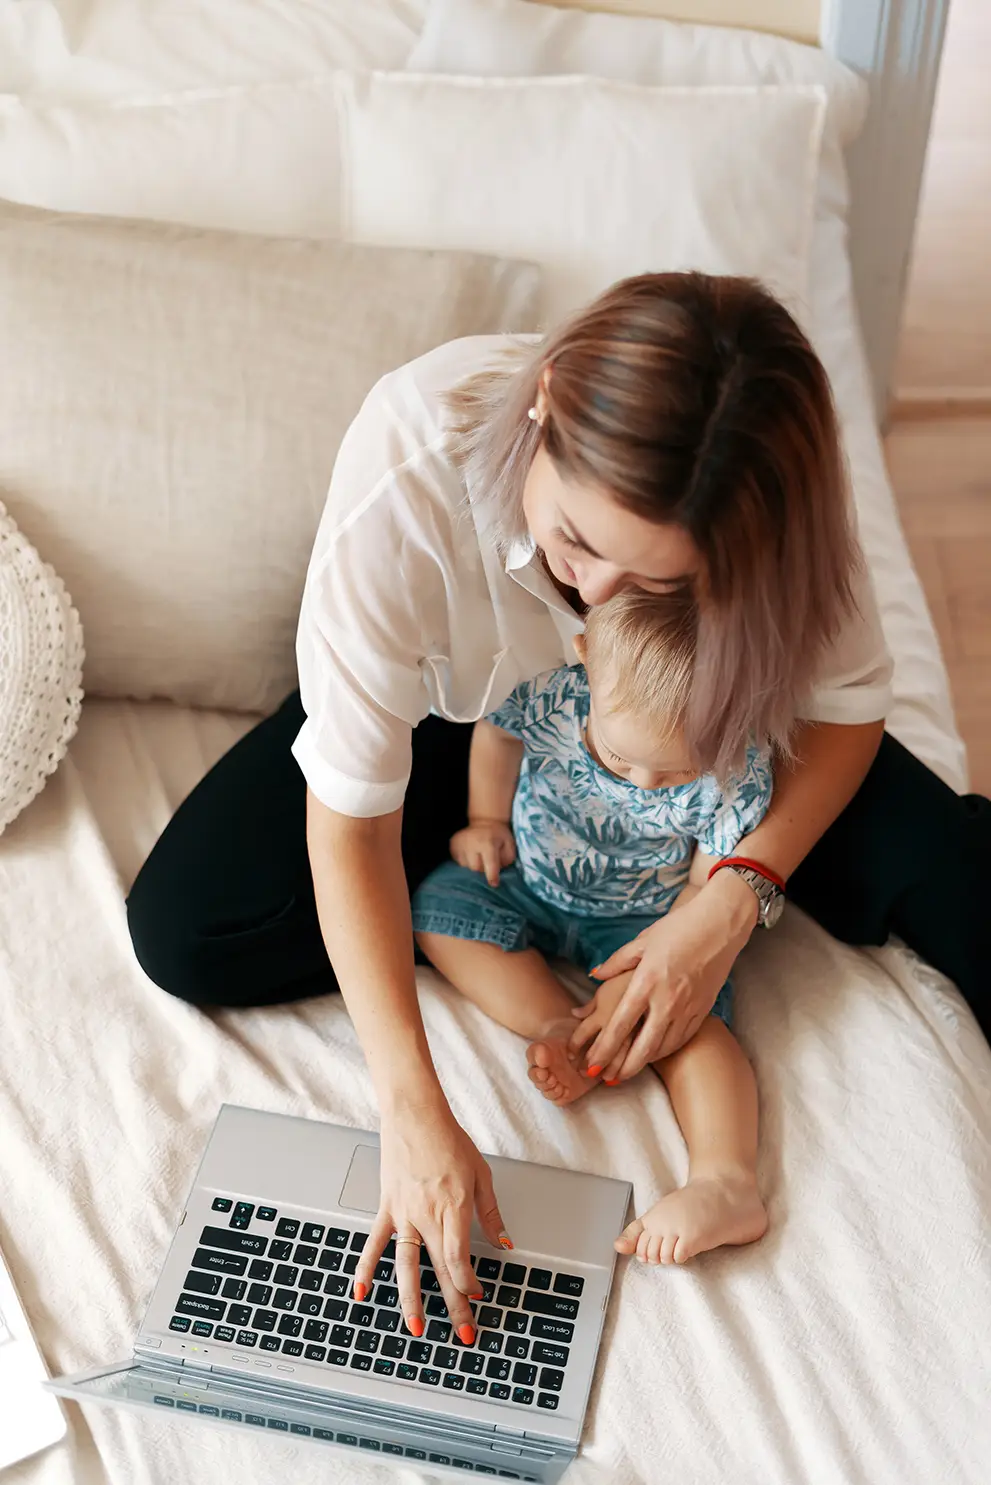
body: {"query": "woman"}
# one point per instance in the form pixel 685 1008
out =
pixel 679 433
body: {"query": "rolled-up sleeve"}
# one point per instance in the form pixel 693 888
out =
pixel 854 680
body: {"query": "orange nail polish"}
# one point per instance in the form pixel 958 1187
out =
pixel 359 1292
pixel 416 1326
pixel 479 1295
pixel 505 1241
pixel 593 1072
pixel 466 1333
pixel 610 1082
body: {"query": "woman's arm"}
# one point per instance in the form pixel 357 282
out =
pixel 683 960
pixel 432 1177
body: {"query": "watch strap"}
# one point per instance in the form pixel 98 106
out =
pixel 750 865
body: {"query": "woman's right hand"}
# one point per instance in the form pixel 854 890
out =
pixel 432 1181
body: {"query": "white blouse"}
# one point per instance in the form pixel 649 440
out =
pixel 409 607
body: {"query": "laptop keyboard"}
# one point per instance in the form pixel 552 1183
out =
pixel 269 1282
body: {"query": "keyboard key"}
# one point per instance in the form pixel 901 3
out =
pixel 524 1374
pixel 315 1330
pixel 222 1203
pixel 386 1319
pixel 305 1255
pixel 220 1263
pixel 393 1345
pixel 312 1232
pixel 342 1335
pixel 264 1319
pixel 367 1341
pixel 498 1390
pixel 551 1380
pixel 335 1309
pixel 280 1251
pixel 336 1237
pixel 407 1372
pixel 522 1395
pixel 234 1288
pixel 292 1348
pixel 287 1228
pixel 568 1284
pixel 358 1240
pixel 361 1315
pixel 284 1299
pixel 315 1353
pixel 507 1296
pixel 497 1367
pixel 270 1343
pixel 540 1278
pixel 488 1318
pixel 259 1294
pixel 517 1347
pixel 438 1330
pixel 290 1325
pixel 383 1367
pixel 488 1268
pixel 266 1214
pixel 287 1274
pixel 547 1400
pixel 490 1340
pixel 261 1269
pixel 387 1295
pixel 223 1332
pixel 550 1304
pixel 515 1324
pixel 180 1322
pixel 202 1327
pixel 239 1315
pixel 471 1362
pixel 330 1260
pixel 435 1306
pixel 429 1376
pixel 513 1273
pixel 420 1352
pixel 429 1282
pixel 445 1357
pixel 201 1283
pixel 246 1338
pixel 551 1330
pixel 233 1242
pixel 337 1358
pixel 243 1213
pixel 488 1291
pixel 312 1304
pixel 552 1355
pixel 360 1363
pixel 454 1382
pixel 477 1385
pixel 351 1263
pixel 338 1286
pixel 201 1307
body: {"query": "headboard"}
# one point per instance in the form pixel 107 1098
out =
pixel 896 45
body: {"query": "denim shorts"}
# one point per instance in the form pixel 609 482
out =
pixel 458 903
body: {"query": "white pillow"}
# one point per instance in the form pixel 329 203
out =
pixel 41 661
pixel 592 180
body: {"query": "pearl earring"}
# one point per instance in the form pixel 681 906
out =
pixel 533 415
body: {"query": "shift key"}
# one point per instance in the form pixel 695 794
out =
pixel 233 1241
pixel 539 1303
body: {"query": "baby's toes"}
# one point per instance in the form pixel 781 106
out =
pixel 654 1250
pixel 628 1238
pixel 668 1246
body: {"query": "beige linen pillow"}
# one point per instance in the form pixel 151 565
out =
pixel 171 404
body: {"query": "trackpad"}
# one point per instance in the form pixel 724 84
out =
pixel 360 1191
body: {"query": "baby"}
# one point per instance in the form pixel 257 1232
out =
pixel 612 826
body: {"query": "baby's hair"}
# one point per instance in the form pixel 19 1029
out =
pixel 640 657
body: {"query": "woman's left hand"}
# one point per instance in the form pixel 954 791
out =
pixel 680 964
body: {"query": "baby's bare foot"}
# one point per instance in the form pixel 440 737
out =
pixel 553 1067
pixel 707 1213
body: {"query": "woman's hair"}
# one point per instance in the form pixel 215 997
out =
pixel 693 400
pixel 640 658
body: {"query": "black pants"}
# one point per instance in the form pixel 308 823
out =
pixel 223 912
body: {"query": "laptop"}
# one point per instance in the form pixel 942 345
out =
pixel 253 1323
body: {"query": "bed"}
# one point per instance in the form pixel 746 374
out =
pixel 846 1347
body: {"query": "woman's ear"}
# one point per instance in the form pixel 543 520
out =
pixel 581 649
pixel 541 402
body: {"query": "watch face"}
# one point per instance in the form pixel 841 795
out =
pixel 773 910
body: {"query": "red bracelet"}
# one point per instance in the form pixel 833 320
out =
pixel 753 865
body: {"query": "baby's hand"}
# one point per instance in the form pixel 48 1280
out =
pixel 485 846
pixel 591 1018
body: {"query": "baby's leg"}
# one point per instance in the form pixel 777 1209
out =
pixel 714 1095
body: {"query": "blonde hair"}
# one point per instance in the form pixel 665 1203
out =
pixel 697 401
pixel 640 659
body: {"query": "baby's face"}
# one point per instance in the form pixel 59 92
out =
pixel 626 745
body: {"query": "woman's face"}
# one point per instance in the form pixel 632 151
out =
pixel 591 543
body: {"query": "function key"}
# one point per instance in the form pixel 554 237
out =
pixel 454 1382
pixel 280 1250
pixel 312 1232
pixel 407 1372
pixel 361 1362
pixel 336 1238
pixel 429 1376
pixel 498 1390
pixel 540 1278
pixel 266 1214
pixel 222 1203
pixel 288 1227
pixel 567 1284
pixel 270 1343
pixel 488 1268
pixel 243 1213
pixel 292 1348
pixel 547 1400
pixel 358 1241
pixel 315 1353
pixel 522 1395
pixel 383 1367
pixel 550 1304
pixel 513 1273
pixel 336 1358
pixel 477 1385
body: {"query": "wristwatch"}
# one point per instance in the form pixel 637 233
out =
pixel 770 890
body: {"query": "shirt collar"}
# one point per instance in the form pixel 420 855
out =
pixel 525 566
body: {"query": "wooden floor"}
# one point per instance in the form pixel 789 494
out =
pixel 940 463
